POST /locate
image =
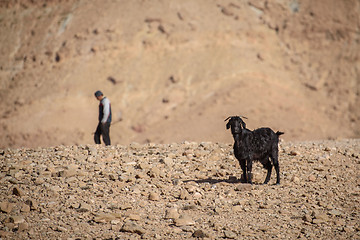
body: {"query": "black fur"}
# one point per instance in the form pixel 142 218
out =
pixel 257 145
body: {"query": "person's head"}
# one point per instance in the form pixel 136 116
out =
pixel 99 95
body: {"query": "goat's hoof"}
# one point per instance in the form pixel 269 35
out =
pixel 277 183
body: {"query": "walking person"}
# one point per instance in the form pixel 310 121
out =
pixel 103 128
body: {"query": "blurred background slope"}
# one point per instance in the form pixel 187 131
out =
pixel 174 70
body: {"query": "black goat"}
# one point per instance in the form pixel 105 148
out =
pixel 257 145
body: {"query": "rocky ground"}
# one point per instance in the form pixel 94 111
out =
pixel 179 65
pixel 178 191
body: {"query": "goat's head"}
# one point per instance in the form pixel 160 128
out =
pixel 236 124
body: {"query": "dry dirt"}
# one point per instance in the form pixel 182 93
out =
pixel 183 190
pixel 174 70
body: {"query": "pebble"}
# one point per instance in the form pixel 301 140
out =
pixel 134 217
pixel 84 207
pixel 312 178
pixel 23 226
pixel 17 219
pixel 230 234
pixel 104 217
pixel 172 214
pixel 6 207
pixel 335 212
pixel 18 192
pixel 154 196
pixel 168 161
pixel 184 220
pixel 25 208
pixel 200 234
pixel 295 179
pixel 294 153
pixel 243 187
pixel 133 228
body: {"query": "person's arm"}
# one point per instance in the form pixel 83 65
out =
pixel 106 104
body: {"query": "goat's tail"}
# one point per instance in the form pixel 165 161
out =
pixel 279 133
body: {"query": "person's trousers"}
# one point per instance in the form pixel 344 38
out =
pixel 104 130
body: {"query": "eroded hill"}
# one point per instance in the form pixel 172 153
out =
pixel 174 70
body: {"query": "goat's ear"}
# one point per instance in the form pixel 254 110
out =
pixel 243 124
pixel 228 125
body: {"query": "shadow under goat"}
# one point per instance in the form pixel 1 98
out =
pixel 258 145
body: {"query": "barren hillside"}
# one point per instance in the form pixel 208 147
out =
pixel 174 70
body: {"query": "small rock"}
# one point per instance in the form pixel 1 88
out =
pixel 133 228
pixel 17 219
pixel 312 178
pixel 141 175
pixel 237 208
pixel 154 196
pixel 320 169
pixel 294 153
pixel 126 206
pixel 14 181
pixel 200 234
pixel 39 181
pixel 172 214
pixel 177 230
pixel 177 182
pixel 168 161
pixel 154 172
pixel 307 218
pixel 230 234
pixel 327 149
pixel 25 208
pixel 143 166
pixel 6 207
pixel 263 228
pixel 18 192
pixel 115 222
pixel 243 187
pixel 60 229
pixel 4 234
pixel 23 226
pixel 335 212
pixel 189 207
pixel 318 221
pixel 320 218
pixel 232 179
pixel 69 173
pixel 295 179
pixel 184 220
pixel 104 217
pixel 32 203
pixel 134 217
pixel 84 207
pixel 92 150
pixel 197 195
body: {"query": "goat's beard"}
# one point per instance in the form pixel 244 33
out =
pixel 237 136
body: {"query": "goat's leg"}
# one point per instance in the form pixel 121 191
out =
pixel 274 157
pixel 267 166
pixel 249 169
pixel 243 167
pixel 276 165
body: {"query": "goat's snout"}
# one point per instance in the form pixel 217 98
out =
pixel 236 128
